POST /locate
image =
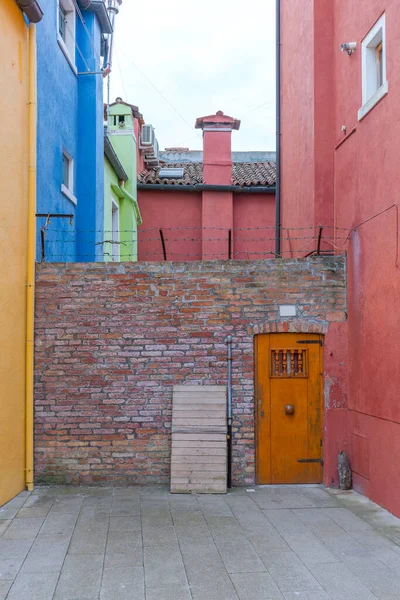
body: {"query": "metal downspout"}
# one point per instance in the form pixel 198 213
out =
pixel 229 412
pixel 31 251
pixel 278 132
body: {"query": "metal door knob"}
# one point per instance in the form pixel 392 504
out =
pixel 289 409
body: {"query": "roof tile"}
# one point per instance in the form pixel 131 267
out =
pixel 243 174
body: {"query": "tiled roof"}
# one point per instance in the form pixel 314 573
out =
pixel 243 174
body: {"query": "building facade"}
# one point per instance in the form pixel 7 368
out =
pixel 70 134
pixel 121 209
pixel 340 131
pixel 209 205
pixel 17 163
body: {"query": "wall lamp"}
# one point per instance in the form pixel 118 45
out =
pixel 349 48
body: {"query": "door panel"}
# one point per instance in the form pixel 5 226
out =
pixel 288 408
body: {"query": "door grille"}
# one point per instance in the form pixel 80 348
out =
pixel 288 362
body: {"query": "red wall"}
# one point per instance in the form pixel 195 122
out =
pixel 366 180
pixel 178 214
pixel 195 225
pixel 254 226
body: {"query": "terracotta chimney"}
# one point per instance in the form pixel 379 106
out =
pixel 217 153
pixel 217 205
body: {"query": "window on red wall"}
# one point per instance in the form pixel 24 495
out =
pixel 373 65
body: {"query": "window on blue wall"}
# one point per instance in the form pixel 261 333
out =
pixel 67 183
pixel 62 15
pixel 66 23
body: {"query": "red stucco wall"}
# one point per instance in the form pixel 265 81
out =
pixel 178 214
pixel 254 226
pixel 195 225
pixel 365 181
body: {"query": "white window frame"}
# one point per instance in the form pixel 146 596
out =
pixel 372 92
pixel 67 45
pixel 115 251
pixel 68 190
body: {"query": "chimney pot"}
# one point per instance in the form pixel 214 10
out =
pixel 217 154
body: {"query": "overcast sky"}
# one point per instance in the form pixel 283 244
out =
pixel 203 57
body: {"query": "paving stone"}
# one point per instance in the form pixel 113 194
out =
pixel 127 542
pixel 347 520
pixel 9 510
pixel 122 583
pixel 126 524
pixel 23 529
pixel 309 548
pixel 64 505
pixel 224 528
pixel 344 546
pixel 213 506
pixel 255 586
pixel 316 595
pixel 320 498
pixel 163 568
pixel 293 498
pixel 9 567
pixel 157 536
pixel 4 587
pixel 239 556
pixel 289 573
pixel 169 593
pixel 177 547
pixel 80 578
pixel 4 524
pixel 217 586
pixel 267 499
pixel 340 583
pixel 46 555
pixel 319 522
pixel 122 506
pixel 58 524
pixel 285 521
pixel 379 579
pixel 35 586
pixel 14 548
pixel 35 506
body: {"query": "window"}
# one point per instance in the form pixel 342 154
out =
pixel 374 84
pixel 66 30
pixel 115 231
pixel 67 185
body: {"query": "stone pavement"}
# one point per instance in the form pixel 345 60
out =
pixel 275 542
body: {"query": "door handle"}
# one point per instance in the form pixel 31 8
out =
pixel 262 413
pixel 289 409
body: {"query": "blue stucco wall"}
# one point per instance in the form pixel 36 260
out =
pixel 70 117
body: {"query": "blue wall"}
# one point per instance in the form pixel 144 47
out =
pixel 70 117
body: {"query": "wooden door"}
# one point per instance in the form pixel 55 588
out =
pixel 289 408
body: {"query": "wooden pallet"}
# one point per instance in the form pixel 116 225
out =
pixel 199 453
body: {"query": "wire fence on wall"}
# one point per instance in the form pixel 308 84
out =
pixel 67 244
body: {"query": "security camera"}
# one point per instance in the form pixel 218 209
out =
pixel 349 48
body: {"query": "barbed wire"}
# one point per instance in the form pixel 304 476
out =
pixel 141 230
pixel 157 239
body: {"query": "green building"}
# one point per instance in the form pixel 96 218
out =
pixel 121 209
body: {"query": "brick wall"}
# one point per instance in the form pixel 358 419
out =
pixel 112 339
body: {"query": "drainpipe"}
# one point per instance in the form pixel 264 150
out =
pixel 113 10
pixel 278 131
pixel 229 412
pixel 30 280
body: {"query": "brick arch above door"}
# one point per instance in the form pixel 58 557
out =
pixel 289 326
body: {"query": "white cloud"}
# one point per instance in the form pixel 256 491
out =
pixel 203 57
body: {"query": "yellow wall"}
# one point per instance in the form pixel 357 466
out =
pixel 13 245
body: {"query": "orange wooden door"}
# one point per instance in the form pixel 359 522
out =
pixel 289 408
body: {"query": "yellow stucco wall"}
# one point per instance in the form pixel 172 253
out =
pixel 13 245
